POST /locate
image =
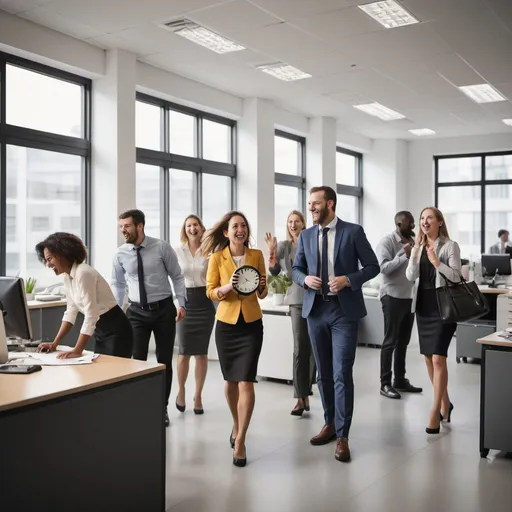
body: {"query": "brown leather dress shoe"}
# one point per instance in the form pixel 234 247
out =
pixel 326 435
pixel 342 450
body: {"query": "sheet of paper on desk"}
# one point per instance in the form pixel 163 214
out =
pixel 50 359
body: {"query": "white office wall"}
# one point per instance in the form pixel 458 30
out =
pixel 420 158
pixel 385 178
pixel 26 39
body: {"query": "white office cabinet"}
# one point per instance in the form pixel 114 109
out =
pixel 504 312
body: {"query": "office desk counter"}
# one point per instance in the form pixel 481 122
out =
pixel 468 332
pixel 495 393
pixel 85 437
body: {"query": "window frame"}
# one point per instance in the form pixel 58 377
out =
pixel 167 161
pixel 37 139
pixel 298 180
pixel 353 190
pixel 483 182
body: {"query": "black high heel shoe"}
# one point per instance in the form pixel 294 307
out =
pixel 433 430
pixel 299 411
pixel 240 463
pixel 449 417
pixel 232 440
pixel 180 408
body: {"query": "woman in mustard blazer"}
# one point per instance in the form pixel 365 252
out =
pixel 239 329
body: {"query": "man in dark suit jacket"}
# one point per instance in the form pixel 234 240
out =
pixel 327 266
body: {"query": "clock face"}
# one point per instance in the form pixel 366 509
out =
pixel 248 280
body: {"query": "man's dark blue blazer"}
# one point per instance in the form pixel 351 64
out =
pixel 351 247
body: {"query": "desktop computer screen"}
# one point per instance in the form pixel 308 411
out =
pixel 14 307
pixel 493 264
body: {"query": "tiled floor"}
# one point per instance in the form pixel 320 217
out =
pixel 396 467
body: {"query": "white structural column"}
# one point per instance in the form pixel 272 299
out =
pixel 255 170
pixel 321 153
pixel 113 154
pixel 385 187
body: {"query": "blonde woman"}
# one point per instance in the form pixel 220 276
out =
pixel 433 257
pixel 281 256
pixel 194 331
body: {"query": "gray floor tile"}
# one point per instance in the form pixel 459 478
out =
pixel 396 466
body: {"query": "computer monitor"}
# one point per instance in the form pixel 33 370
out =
pixel 493 264
pixel 14 305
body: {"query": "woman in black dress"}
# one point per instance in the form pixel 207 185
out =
pixel 239 329
pixel 433 257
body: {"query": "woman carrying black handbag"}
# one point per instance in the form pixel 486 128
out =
pixel 434 258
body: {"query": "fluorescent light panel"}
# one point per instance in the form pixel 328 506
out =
pixel 209 39
pixel 389 14
pixel 422 132
pixel 508 122
pixel 380 111
pixel 482 93
pixel 284 72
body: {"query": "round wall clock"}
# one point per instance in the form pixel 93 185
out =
pixel 248 280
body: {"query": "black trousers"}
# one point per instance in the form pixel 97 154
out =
pixel 162 323
pixel 398 322
pixel 113 335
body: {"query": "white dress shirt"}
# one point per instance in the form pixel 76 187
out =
pixel 193 267
pixel 331 237
pixel 89 293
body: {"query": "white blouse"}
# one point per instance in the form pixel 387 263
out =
pixel 193 267
pixel 87 292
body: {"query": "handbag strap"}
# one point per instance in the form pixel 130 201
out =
pixel 462 280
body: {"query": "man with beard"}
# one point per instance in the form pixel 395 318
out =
pixel 327 266
pixel 145 265
pixel 393 253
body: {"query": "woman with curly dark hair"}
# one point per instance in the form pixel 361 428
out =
pixel 89 293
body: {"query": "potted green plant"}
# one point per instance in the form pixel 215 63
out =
pixel 29 288
pixel 278 285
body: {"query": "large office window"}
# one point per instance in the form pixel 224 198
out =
pixel 349 165
pixel 290 181
pixel 474 192
pixel 185 165
pixel 44 161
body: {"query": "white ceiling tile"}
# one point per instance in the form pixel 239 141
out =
pixel 17 6
pixel 454 69
pixel 427 10
pixel 494 67
pixel 290 9
pixel 405 43
pixel 151 38
pixel 286 43
pixel 335 26
pixel 233 17
pixel 55 21
pixel 503 12
pixel 116 15
pixel 500 109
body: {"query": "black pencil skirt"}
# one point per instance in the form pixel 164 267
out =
pixel 434 335
pixel 113 334
pixel 194 331
pixel 239 347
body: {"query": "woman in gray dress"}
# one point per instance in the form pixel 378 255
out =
pixel 281 256
pixel 194 331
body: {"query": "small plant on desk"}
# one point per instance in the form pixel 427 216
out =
pixel 278 285
pixel 30 287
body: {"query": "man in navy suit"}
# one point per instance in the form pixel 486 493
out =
pixel 327 266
